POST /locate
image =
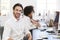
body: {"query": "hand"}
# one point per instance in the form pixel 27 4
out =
pixel 10 38
pixel 36 23
pixel 29 37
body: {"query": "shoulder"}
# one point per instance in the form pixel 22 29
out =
pixel 8 21
pixel 26 17
pixel 27 20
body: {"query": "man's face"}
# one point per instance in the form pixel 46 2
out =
pixel 17 11
pixel 31 14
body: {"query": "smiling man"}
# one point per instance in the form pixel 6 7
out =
pixel 14 28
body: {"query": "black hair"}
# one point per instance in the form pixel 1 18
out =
pixel 18 4
pixel 28 10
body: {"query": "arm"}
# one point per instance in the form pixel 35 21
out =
pixel 6 33
pixel 36 23
pixel 28 34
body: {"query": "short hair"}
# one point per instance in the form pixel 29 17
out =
pixel 28 10
pixel 57 12
pixel 18 4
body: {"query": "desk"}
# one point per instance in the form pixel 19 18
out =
pixel 38 34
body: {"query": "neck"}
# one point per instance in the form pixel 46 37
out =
pixel 17 19
pixel 30 17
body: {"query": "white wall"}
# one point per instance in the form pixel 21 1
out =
pixel 47 6
pixel 58 5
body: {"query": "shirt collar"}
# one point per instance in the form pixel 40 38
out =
pixel 16 19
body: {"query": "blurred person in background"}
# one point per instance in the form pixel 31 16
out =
pixel 28 12
pixel 51 23
pixel 56 19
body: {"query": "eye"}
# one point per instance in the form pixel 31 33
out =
pixel 21 11
pixel 16 9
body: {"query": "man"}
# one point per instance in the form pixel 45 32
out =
pixel 15 28
pixel 28 12
pixel 56 19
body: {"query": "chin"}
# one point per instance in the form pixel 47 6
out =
pixel 17 16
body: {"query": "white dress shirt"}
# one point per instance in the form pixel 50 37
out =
pixel 16 29
pixel 28 23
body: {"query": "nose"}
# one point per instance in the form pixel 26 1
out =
pixel 18 12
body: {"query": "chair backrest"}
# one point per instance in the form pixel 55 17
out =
pixel 1 31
